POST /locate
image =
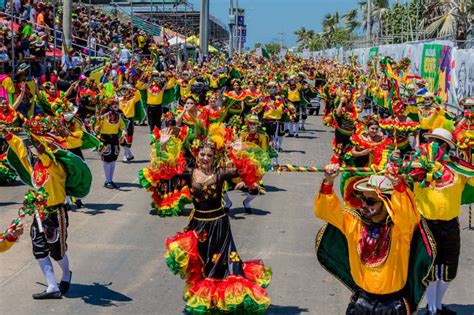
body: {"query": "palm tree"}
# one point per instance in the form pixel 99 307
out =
pixel 303 36
pixel 379 8
pixel 351 21
pixel 448 18
pixel 330 25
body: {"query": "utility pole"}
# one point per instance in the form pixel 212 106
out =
pixel 231 28
pixel 204 27
pixel 281 39
pixel 67 28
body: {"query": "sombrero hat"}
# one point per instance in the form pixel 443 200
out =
pixel 441 134
pixel 253 119
pixel 375 183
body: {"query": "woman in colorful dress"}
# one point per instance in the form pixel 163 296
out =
pixel 399 127
pixel 253 96
pixel 193 117
pixel 205 255
pixel 213 110
pixel 370 146
pixel 345 116
pixel 8 117
pixel 163 175
pixel 233 102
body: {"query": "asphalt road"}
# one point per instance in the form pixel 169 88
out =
pixel 116 245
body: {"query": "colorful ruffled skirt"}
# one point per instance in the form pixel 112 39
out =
pixel 217 281
pixel 169 196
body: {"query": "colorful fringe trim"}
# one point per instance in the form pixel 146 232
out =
pixel 171 204
pixel 234 294
pixel 251 164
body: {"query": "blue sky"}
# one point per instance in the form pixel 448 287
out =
pixel 266 18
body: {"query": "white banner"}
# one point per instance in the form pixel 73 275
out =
pixel 463 72
pixel 461 77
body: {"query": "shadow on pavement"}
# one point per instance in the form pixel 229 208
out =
pixel 12 184
pixel 121 185
pixel 269 188
pixel 4 204
pixel 459 309
pixel 99 208
pixel 305 137
pixel 287 310
pixel 294 151
pixel 234 211
pixel 96 294
pixel 139 161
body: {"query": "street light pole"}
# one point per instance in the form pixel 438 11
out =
pixel 67 18
pixel 231 28
pixel 204 27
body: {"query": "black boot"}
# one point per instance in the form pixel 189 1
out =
pixel 47 296
pixel 64 285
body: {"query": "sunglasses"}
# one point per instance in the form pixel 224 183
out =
pixel 370 201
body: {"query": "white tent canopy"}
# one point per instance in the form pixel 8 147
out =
pixel 176 41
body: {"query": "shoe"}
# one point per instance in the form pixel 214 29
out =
pixel 114 185
pixel 297 135
pixel 280 150
pixel 445 311
pixel 248 210
pixel 303 129
pixel 79 204
pixel 131 158
pixel 127 161
pixel 109 185
pixel 226 210
pixel 290 136
pixel 47 296
pixel 64 285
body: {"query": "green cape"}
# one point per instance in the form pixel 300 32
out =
pixel 332 253
pixel 79 176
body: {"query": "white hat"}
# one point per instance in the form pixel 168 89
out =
pixel 441 134
pixel 68 115
pixel 375 183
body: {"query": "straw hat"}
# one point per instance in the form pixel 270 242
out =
pixel 375 183
pixel 441 134
pixel 467 102
pixel 253 119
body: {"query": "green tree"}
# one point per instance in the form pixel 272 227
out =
pixel 274 48
pixel 448 18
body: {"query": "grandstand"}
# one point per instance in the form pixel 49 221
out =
pixel 178 16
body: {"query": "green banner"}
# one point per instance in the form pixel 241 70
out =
pixel 373 52
pixel 430 61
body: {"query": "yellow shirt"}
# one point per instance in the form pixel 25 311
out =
pixel 444 203
pixel 294 96
pixel 390 276
pixel 74 140
pixel 128 107
pixel 55 185
pixel 155 99
pixel 105 127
